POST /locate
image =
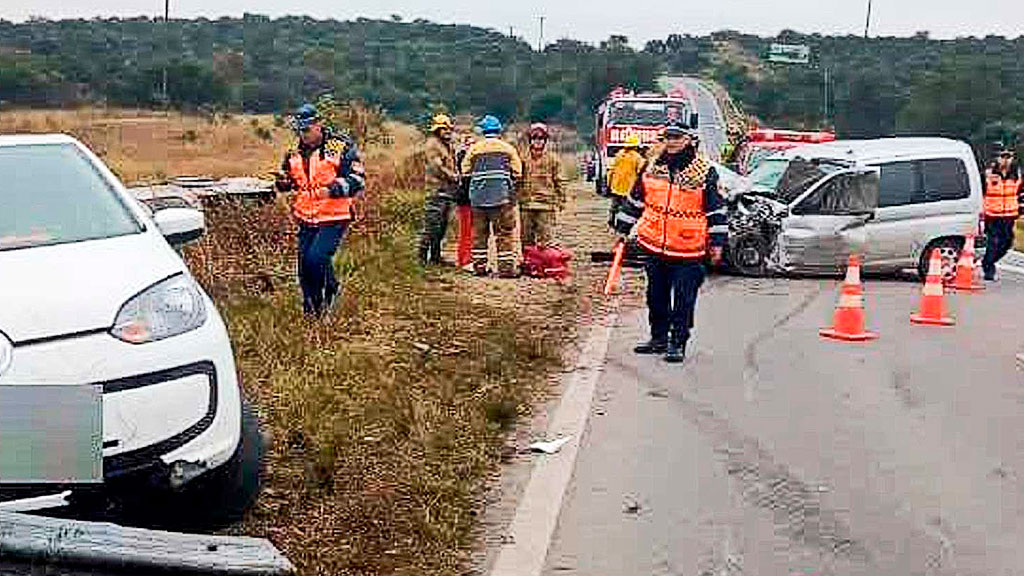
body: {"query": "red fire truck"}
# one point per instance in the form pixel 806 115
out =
pixel 624 113
pixel 760 143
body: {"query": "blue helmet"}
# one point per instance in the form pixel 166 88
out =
pixel 490 125
pixel 305 117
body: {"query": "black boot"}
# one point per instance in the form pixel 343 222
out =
pixel 676 352
pixel 652 346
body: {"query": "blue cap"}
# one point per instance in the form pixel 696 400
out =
pixel 305 117
pixel 490 125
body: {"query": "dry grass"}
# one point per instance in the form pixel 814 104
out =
pixel 150 146
pixel 388 418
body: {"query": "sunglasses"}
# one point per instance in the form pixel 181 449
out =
pixel 1007 155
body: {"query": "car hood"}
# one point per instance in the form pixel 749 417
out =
pixel 54 291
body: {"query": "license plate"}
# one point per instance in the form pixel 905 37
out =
pixel 51 434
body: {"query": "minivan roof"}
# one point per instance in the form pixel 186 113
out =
pixel 864 151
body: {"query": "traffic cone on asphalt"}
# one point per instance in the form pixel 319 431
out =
pixel 933 312
pixel 965 269
pixel 848 324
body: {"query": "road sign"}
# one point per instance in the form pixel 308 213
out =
pixel 789 54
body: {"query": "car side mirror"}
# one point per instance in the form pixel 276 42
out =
pixel 180 225
pixel 694 120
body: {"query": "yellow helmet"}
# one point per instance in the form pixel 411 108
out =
pixel 632 141
pixel 441 121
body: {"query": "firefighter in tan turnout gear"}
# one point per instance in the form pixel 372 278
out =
pixel 493 168
pixel 543 193
pixel 442 183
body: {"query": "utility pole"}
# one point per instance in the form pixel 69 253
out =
pixel 540 43
pixel 167 17
pixel 867 23
pixel 828 90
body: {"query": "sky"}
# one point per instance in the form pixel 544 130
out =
pixel 595 20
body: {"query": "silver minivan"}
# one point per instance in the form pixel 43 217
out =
pixel 891 201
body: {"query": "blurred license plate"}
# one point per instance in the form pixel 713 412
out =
pixel 51 434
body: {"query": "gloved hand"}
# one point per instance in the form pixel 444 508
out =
pixel 283 182
pixel 340 188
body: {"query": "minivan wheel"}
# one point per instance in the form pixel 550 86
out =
pixel 748 255
pixel 949 250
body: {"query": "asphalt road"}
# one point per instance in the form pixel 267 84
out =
pixel 774 451
pixel 711 121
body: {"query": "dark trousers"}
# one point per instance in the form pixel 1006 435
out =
pixel 437 213
pixel 317 245
pixel 671 298
pixel 999 236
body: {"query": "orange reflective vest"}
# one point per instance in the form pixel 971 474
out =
pixel 1001 197
pixel 673 223
pixel 312 203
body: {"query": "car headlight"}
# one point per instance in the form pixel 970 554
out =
pixel 168 308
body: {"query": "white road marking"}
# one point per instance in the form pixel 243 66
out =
pixel 537 513
pixel 1010 267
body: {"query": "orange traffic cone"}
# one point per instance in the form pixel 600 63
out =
pixel 965 269
pixel 933 311
pixel 848 323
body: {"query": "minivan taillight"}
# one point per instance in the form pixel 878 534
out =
pixel 981 225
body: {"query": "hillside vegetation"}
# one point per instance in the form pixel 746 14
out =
pixel 257 64
pixel 968 88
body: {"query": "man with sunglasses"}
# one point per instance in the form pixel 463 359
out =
pixel 326 175
pixel 679 220
pixel 543 192
pixel 1002 207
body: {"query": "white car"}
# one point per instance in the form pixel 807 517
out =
pixel 116 372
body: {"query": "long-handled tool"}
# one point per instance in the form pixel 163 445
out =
pixel 616 270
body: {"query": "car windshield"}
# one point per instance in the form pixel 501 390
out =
pixel 768 173
pixel 53 194
pixel 644 113
pixel 801 174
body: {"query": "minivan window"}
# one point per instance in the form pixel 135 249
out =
pixel 846 194
pixel 53 194
pixel 945 179
pixel 899 184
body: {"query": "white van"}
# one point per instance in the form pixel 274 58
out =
pixel 890 200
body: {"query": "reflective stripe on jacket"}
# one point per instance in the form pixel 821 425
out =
pixel 1001 196
pixel 492 166
pixel 673 223
pixel 313 204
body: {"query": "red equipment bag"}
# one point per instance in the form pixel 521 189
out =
pixel 551 262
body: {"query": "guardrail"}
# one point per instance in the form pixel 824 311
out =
pixel 41 545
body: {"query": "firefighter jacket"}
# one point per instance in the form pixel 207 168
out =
pixel 493 168
pixel 441 172
pixel 543 185
pixel 1001 195
pixel 675 208
pixel 625 170
pixel 326 179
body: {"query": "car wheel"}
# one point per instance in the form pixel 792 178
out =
pixel 949 249
pixel 748 255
